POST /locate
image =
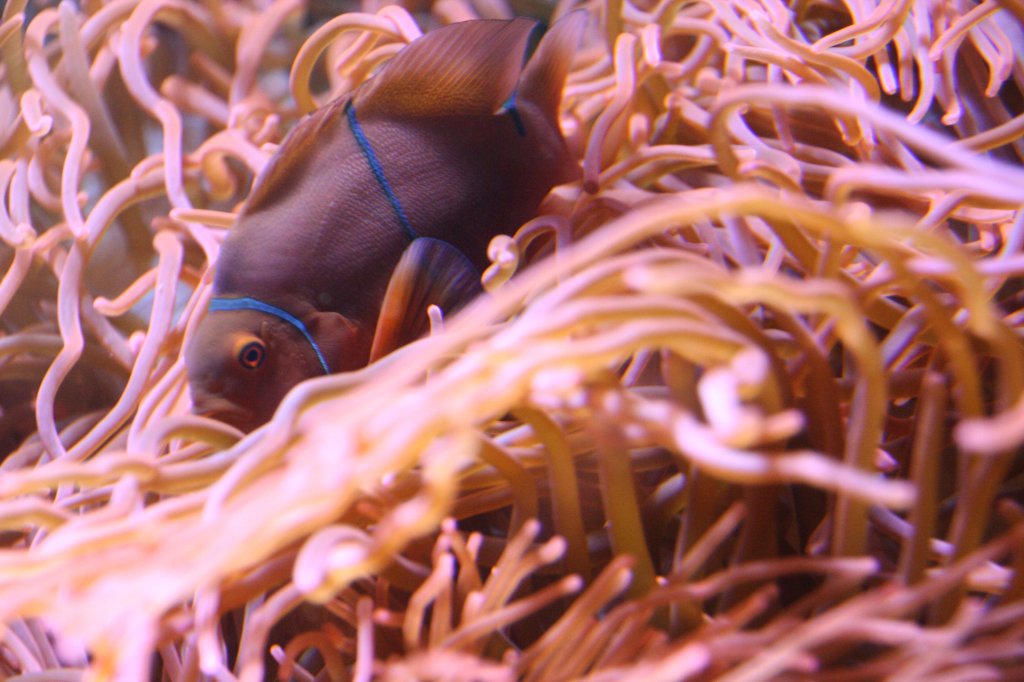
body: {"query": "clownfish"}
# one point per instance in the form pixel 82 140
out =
pixel 378 205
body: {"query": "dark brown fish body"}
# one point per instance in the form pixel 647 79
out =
pixel 351 237
pixel 424 164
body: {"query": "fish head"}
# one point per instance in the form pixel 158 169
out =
pixel 241 364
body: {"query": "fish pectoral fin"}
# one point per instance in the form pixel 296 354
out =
pixel 468 68
pixel 430 272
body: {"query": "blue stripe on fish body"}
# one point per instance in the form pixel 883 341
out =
pixel 248 303
pixel 378 170
pixel 509 107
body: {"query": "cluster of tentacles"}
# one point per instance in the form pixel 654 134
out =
pixel 747 401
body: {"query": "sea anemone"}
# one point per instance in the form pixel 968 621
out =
pixel 745 402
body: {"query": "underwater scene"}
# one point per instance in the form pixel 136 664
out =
pixel 494 340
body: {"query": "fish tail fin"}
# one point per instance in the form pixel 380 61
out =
pixel 467 68
pixel 544 77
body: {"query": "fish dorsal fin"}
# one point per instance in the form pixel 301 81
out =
pixel 294 151
pixel 469 68
pixel 544 76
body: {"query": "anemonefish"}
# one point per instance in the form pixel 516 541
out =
pixel 379 204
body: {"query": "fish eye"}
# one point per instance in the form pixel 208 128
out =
pixel 251 354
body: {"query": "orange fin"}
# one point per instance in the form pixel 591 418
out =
pixel 469 68
pixel 544 76
pixel 430 272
